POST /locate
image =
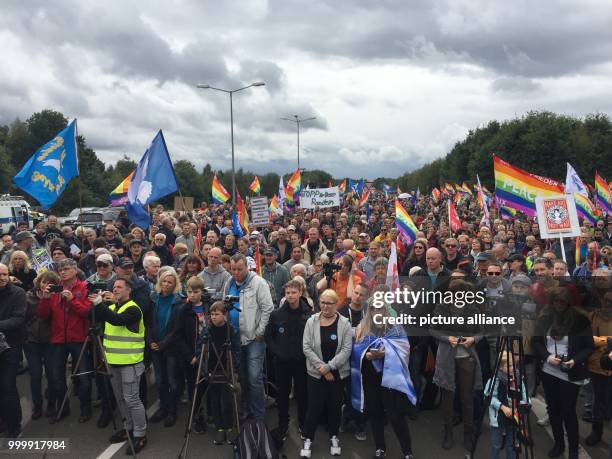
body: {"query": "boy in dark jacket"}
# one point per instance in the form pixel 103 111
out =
pixel 218 383
pixel 283 336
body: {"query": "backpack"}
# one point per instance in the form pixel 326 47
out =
pixel 255 442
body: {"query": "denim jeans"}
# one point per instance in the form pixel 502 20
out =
pixel 508 430
pixel 59 355
pixel 10 407
pixel 251 377
pixel 164 363
pixel 38 356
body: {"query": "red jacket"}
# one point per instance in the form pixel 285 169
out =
pixel 69 319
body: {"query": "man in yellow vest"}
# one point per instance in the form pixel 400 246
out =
pixel 124 344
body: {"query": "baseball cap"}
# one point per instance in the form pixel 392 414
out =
pixel 363 235
pixel 270 250
pixel 22 235
pixel 125 262
pixel 483 256
pixel 135 241
pixel 291 227
pixel 105 258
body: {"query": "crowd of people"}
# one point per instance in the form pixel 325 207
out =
pixel 294 300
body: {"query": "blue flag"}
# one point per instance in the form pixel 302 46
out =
pixel 236 226
pixel 356 186
pixel 153 179
pixel 387 189
pixel 47 173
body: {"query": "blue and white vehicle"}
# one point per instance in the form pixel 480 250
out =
pixel 14 209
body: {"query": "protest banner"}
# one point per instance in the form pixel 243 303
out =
pixel 557 218
pixel 41 261
pixel 320 197
pixel 260 214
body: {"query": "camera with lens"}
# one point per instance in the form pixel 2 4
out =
pixel 93 287
pixel 330 268
pixel 563 366
pixel 53 288
pixel 229 302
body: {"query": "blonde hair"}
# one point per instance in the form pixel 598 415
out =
pixel 20 253
pixel 329 294
pixel 168 272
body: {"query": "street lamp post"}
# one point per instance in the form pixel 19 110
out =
pixel 231 98
pixel 297 122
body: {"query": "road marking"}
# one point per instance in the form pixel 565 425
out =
pixel 112 449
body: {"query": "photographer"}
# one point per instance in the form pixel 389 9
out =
pixel 104 270
pixel 68 307
pixel 124 346
pixel 36 347
pixel 564 342
pixel 343 281
pixel 284 334
pixel 12 317
pixel 457 365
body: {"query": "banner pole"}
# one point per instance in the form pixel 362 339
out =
pixel 562 249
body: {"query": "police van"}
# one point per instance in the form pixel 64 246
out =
pixel 14 209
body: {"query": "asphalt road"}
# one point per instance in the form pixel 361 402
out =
pixel 87 441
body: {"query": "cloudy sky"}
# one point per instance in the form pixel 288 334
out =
pixel 393 83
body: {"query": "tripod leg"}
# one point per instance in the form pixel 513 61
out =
pixel 185 447
pixel 75 371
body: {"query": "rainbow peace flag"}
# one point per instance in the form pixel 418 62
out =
pixel 602 194
pixel 364 197
pixel 274 205
pixel 506 213
pixel 517 189
pixel 294 184
pixel 585 208
pixel 219 194
pixel 404 223
pixel 255 186
pixel 435 194
pixel 118 196
pixel 449 189
pixel 243 216
pixel 466 189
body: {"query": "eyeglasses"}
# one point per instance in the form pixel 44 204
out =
pixel 493 273
pixel 100 264
pixel 327 303
pixel 450 246
pixel 419 247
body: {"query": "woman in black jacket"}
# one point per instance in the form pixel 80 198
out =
pixel 416 257
pixel 564 342
pixel 21 271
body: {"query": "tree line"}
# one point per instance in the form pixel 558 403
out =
pixel 540 142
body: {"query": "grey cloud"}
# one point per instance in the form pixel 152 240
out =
pixel 515 85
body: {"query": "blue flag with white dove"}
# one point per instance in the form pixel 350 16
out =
pixel 573 184
pixel 153 179
pixel 47 173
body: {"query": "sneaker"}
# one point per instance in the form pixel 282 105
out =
pixel 220 437
pixel 306 450
pixel 408 456
pixel 361 435
pixel 199 426
pixel 379 454
pixel 139 443
pixel 334 446
pixel 119 436
pixel 159 416
pixel 543 421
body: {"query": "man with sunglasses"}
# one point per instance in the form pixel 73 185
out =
pixel 104 270
pixel 453 259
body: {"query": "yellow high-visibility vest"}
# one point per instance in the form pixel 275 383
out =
pixel 121 346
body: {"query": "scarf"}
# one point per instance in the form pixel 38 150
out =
pixel 394 366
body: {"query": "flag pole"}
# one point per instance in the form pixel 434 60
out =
pixel 76 147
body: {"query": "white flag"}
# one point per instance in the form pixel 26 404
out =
pixel 392 274
pixel 281 196
pixel 573 184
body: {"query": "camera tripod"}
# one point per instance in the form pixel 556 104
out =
pixel 226 377
pixel 522 439
pixel 101 368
